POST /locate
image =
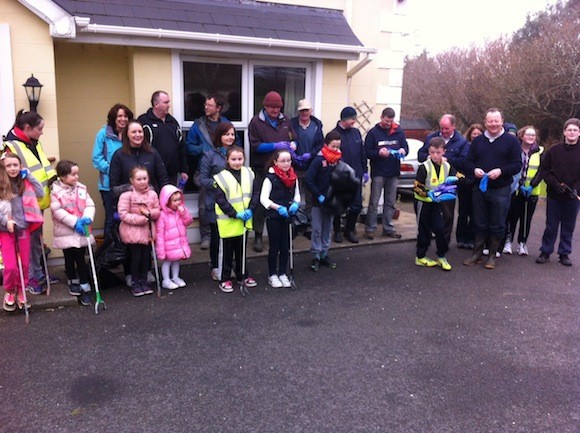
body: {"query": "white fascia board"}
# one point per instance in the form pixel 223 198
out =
pixel 62 24
pixel 173 39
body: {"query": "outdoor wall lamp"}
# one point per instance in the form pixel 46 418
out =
pixel 33 88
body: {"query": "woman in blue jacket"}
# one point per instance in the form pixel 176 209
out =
pixel 107 141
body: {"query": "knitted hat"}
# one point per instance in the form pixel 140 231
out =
pixel 273 99
pixel 348 113
pixel 510 128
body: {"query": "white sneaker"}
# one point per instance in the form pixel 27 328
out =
pixel 507 248
pixel 284 280
pixel 523 249
pixel 274 281
pixel 168 284
pixel 150 277
pixel 179 282
pixel 129 280
pixel 485 252
pixel 215 274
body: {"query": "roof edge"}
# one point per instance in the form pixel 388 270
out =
pixel 61 23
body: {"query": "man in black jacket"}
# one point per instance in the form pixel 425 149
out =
pixel 164 133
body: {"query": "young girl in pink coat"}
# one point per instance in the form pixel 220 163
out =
pixel 137 209
pixel 172 244
pixel 73 211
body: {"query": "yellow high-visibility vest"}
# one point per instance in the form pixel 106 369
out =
pixel 533 166
pixel 41 170
pixel 432 181
pixel 239 196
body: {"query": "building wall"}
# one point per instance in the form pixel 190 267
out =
pixel 334 93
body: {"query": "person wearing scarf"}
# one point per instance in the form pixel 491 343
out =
pixel 280 196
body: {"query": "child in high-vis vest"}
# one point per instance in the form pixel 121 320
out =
pixel 434 172
pixel 281 197
pixel 237 196
pixel 138 209
pixel 171 243
pixel 73 211
pixel 19 215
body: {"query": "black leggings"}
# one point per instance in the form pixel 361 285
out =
pixel 278 236
pixel 140 261
pixel 75 265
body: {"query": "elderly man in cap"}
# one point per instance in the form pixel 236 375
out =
pixel 353 153
pixel 269 130
pixel 310 137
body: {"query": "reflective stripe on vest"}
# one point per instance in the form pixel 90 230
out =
pixel 41 170
pixel 533 167
pixel 32 213
pixel 238 196
pixel 431 181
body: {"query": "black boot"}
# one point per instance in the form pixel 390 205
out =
pixel 349 227
pixel 493 244
pixel 336 225
pixel 477 252
pixel 258 247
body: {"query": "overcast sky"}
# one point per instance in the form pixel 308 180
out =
pixel 443 24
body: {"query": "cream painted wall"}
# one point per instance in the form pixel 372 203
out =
pixel 90 80
pixel 150 71
pixel 33 53
pixel 334 93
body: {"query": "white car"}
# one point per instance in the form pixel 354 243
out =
pixel 409 166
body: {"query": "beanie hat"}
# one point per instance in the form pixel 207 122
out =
pixel 348 113
pixel 510 127
pixel 273 99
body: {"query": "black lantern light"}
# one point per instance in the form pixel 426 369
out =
pixel 33 88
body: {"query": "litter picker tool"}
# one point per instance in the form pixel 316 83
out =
pixel 154 254
pixel 243 289
pixel 98 299
pixel 21 272
pixel 45 263
pixel 293 285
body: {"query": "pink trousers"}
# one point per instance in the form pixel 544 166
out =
pixel 8 248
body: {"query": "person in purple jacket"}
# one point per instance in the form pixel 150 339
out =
pixel 493 158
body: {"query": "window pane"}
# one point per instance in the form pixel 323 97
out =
pixel 201 79
pixel 288 82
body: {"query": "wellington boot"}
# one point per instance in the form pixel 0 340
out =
pixel 477 252
pixel 349 227
pixel 493 244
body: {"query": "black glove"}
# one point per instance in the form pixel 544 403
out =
pixel 560 188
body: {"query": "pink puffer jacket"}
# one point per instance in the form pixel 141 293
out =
pixel 134 227
pixel 68 204
pixel 172 243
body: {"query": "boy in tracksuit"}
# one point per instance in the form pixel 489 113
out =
pixel 433 172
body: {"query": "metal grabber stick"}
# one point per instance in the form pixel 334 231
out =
pixel 154 254
pixel 98 299
pixel 21 272
pixel 243 289
pixel 293 285
pixel 525 217
pixel 45 262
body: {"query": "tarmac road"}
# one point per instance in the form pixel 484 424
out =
pixel 377 345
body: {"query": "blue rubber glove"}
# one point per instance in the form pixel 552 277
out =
pixel 451 180
pixel 240 215
pixel 248 214
pixel 283 211
pixel 86 221
pixel 79 227
pixel 321 199
pixel 270 147
pixel 396 153
pixel 116 216
pixel 483 183
pixel 293 208
pixel 24 173
pixel 446 196
pixel 433 197
pixel 365 178
pixel 526 191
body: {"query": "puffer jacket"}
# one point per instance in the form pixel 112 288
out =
pixel 107 143
pixel 134 227
pixel 68 204
pixel 212 163
pixel 172 243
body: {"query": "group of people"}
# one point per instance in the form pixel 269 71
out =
pixel 294 168
pixel 497 172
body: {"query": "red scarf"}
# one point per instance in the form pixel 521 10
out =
pixel 21 135
pixel 331 156
pixel 394 126
pixel 288 178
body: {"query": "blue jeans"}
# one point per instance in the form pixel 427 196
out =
pixel 35 270
pixel 388 187
pixel 562 215
pixel 321 228
pixel 490 211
